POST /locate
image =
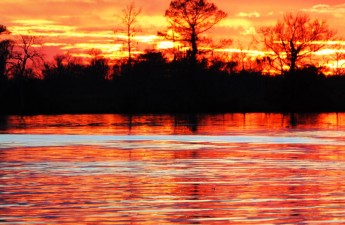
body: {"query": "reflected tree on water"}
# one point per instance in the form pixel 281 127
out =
pixel 298 119
pixel 190 121
pixel 4 123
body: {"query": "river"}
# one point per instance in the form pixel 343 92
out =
pixel 173 169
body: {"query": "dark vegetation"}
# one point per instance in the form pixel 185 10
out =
pixel 156 85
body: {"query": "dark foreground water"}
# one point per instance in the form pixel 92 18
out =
pixel 185 169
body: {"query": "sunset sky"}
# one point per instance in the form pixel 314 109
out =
pixel 76 26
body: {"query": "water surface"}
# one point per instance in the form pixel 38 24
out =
pixel 164 169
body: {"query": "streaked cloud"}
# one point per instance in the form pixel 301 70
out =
pixel 40 27
pixel 235 22
pixel 334 10
pixel 250 15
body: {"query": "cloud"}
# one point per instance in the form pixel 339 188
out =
pixel 32 21
pixel 249 31
pixel 335 10
pixel 250 15
pixel 235 22
pixel 40 27
pixel 321 7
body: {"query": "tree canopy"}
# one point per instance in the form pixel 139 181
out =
pixel 25 52
pixel 188 19
pixel 296 37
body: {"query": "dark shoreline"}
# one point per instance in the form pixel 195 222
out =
pixel 205 94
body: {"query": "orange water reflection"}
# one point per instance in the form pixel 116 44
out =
pixel 176 182
pixel 167 124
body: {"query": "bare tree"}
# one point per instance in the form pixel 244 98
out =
pixel 188 19
pixel 129 19
pixel 26 52
pixel 295 38
pixel 338 59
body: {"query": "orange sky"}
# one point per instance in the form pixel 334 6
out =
pixel 76 26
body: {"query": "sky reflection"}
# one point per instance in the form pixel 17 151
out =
pixel 248 177
pixel 218 124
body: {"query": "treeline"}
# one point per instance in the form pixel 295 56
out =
pixel 189 78
pixel 153 84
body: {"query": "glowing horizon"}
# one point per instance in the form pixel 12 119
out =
pixel 78 26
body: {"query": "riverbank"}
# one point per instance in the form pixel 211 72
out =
pixel 204 94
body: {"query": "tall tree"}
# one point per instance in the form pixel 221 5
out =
pixel 295 38
pixel 26 53
pixel 129 19
pixel 5 50
pixel 188 19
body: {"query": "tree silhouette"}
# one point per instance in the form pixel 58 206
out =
pixel 64 68
pixel 26 51
pixel 5 51
pixel 294 38
pixel 129 18
pixel 339 59
pixel 3 29
pixel 151 64
pixel 188 19
pixel 98 68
